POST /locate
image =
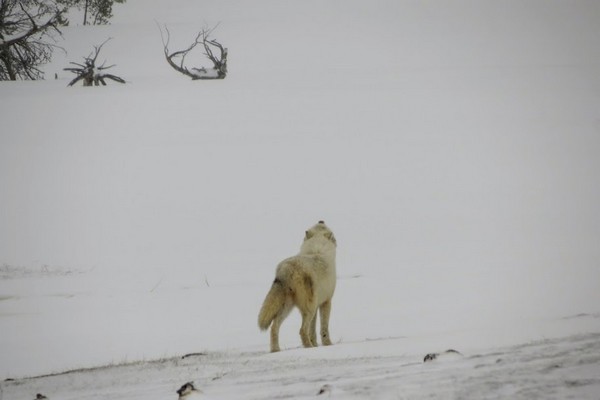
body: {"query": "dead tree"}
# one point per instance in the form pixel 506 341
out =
pixel 28 31
pixel 219 69
pixel 89 73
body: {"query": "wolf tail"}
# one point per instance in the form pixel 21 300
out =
pixel 274 304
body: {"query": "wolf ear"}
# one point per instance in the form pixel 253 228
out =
pixel 329 235
pixel 309 234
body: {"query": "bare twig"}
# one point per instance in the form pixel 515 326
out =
pixel 158 283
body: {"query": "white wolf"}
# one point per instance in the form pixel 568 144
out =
pixel 306 281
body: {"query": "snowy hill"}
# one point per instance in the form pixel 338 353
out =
pixel 559 368
pixel 451 146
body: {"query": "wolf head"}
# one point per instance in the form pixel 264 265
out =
pixel 320 229
pixel 319 239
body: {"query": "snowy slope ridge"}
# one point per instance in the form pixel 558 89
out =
pixel 452 146
pixel 559 368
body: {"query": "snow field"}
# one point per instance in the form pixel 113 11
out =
pixel 451 146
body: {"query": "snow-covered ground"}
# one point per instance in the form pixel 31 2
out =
pixel 452 146
pixel 558 368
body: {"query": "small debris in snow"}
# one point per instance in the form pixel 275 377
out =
pixel 434 356
pixel 192 355
pixel 325 389
pixel 188 391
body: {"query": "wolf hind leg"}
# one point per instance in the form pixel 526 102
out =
pixel 308 316
pixel 304 298
pixel 279 318
pixel 313 330
pixel 325 311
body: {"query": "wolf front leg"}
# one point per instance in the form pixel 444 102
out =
pixel 324 312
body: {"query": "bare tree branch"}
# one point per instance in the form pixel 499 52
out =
pixel 176 59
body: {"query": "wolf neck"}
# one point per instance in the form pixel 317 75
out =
pixel 319 248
